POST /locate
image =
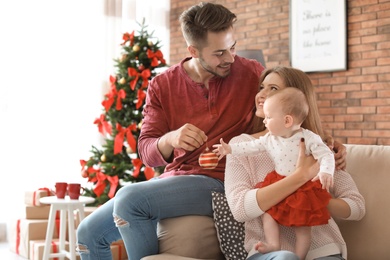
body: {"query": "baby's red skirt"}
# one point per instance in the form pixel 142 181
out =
pixel 307 206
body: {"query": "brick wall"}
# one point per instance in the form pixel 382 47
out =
pixel 354 104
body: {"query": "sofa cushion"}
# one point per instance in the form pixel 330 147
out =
pixel 369 166
pixel 188 236
pixel 231 233
pixel 166 256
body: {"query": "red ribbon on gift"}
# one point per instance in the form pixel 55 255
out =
pixel 55 249
pixel 119 138
pixel 35 193
pixel 17 237
pixel 57 221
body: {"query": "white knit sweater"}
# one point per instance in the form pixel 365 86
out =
pixel 243 173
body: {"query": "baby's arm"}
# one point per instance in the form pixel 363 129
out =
pixel 325 156
pixel 326 180
pixel 222 149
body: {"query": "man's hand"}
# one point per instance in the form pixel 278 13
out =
pixel 340 152
pixel 187 137
pixel 340 155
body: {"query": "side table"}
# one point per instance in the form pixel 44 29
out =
pixel 65 205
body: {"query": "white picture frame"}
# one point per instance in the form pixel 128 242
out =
pixel 318 35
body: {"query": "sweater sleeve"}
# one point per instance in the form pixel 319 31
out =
pixel 248 148
pixel 241 175
pixel 320 151
pixel 346 189
pixel 153 127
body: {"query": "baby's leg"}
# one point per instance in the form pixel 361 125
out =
pixel 302 246
pixel 271 231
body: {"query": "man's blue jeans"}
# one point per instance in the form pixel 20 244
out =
pixel 133 214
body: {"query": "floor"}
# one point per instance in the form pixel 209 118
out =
pixel 6 254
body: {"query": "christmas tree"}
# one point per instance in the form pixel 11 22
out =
pixel 117 162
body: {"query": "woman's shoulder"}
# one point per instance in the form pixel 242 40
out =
pixel 241 138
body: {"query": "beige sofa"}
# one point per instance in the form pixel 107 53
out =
pixel 195 237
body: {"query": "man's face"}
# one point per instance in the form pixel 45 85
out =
pixel 218 56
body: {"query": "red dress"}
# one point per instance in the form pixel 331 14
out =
pixel 307 206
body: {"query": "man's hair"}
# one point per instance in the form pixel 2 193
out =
pixel 293 102
pixel 202 18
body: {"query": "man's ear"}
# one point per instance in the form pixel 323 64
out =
pixel 193 51
pixel 288 121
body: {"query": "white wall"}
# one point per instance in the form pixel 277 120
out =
pixel 55 61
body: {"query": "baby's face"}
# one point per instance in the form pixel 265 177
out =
pixel 274 118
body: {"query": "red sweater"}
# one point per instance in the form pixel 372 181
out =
pixel 224 110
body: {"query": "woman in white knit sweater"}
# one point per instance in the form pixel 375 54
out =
pixel 248 203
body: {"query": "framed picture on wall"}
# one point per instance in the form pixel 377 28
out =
pixel 318 35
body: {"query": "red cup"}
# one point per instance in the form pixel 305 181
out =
pixel 75 190
pixel 61 188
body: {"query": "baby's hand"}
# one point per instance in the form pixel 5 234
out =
pixel 221 149
pixel 326 180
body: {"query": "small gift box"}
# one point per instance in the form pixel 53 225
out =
pixel 38 246
pixel 22 231
pixel 32 212
pixel 31 198
pixel 115 252
pixel 122 254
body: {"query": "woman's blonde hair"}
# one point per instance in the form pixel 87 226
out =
pixel 297 79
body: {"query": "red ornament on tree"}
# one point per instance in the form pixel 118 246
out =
pixel 208 159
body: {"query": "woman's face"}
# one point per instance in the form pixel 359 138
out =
pixel 272 82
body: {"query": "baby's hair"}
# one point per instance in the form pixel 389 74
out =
pixel 293 102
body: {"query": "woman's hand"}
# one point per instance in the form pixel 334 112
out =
pixel 306 169
pixel 306 164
